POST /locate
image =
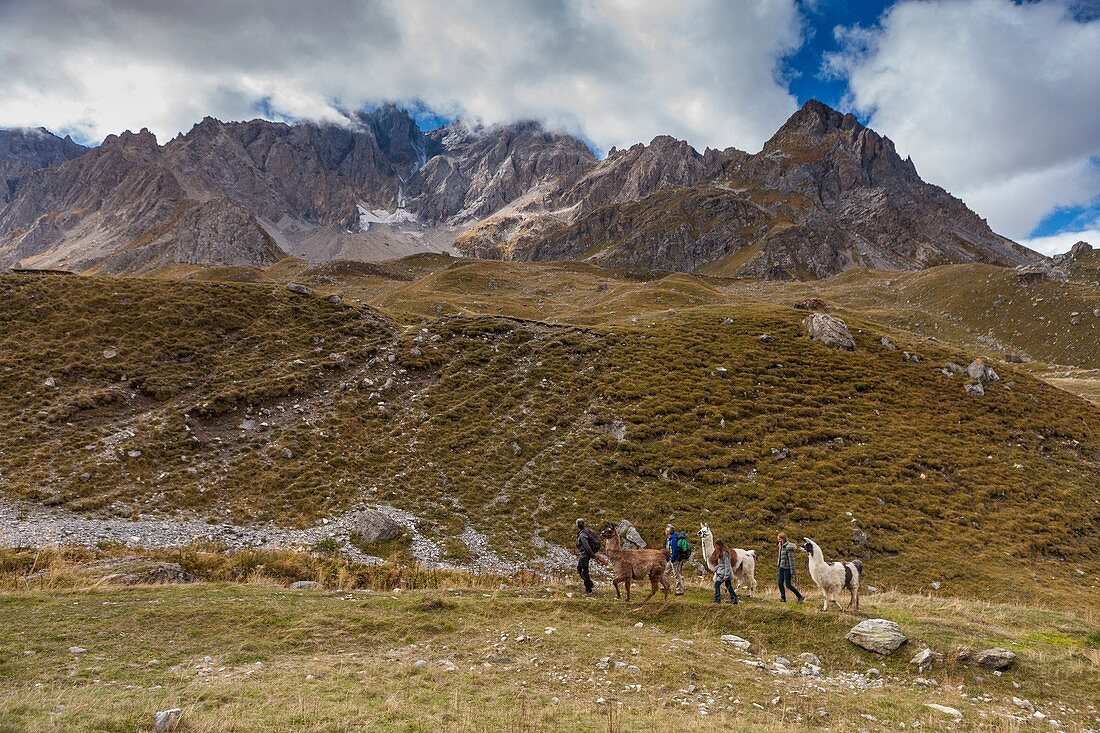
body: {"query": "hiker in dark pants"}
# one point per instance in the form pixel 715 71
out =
pixel 588 544
pixel 786 569
pixel 723 571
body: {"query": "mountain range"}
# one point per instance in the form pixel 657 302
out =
pixel 825 194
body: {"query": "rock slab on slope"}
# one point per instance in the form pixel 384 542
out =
pixel 877 635
pixel 829 330
pixel 632 539
pixel 996 659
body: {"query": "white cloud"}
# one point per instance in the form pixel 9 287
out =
pixel 1059 243
pixel 997 102
pixel 616 71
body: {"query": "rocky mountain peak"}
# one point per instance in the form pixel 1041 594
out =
pixel 143 140
pixel 398 136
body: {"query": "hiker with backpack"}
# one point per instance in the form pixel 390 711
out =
pixel 679 550
pixel 588 544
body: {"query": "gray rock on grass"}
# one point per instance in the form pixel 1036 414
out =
pixel 877 635
pixel 166 720
pixel 996 658
pixel 830 331
pixel 925 659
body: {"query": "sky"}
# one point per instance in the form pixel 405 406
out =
pixel 997 101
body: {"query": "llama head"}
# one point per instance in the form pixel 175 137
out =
pixel 704 530
pixel 810 547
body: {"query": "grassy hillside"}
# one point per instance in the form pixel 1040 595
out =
pixel 243 658
pixel 249 402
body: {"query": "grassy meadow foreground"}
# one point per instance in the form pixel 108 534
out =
pixel 256 657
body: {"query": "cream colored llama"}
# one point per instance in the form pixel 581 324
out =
pixel 743 561
pixel 834 577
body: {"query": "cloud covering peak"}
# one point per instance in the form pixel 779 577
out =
pixel 616 72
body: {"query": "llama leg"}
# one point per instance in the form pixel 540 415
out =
pixel 652 589
pixel 616 582
pixel 627 581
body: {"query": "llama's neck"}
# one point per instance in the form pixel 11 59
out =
pixel 817 562
pixel 708 550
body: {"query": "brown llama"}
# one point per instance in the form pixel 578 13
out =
pixel 635 564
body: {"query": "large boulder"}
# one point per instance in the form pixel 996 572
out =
pixel 981 372
pixel 877 635
pixel 981 375
pixel 997 658
pixel 632 539
pixel 372 527
pixel 829 330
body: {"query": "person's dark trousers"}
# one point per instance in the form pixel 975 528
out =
pixel 785 584
pixel 718 590
pixel 582 569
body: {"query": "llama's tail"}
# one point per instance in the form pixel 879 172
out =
pixel 751 552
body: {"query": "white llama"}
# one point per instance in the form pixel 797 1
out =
pixel 743 561
pixel 834 577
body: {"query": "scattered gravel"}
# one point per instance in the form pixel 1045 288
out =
pixel 31 525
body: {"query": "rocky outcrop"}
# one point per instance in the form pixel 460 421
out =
pixel 632 539
pixel 829 330
pixel 825 195
pixel 213 233
pixel 981 376
pixel 24 151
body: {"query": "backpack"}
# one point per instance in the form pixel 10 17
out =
pixel 594 539
pixel 683 547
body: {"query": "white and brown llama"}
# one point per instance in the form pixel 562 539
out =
pixel 743 561
pixel 834 577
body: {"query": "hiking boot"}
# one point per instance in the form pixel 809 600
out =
pixel 733 601
pixel 801 599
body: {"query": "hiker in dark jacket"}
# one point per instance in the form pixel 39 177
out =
pixel 786 568
pixel 588 544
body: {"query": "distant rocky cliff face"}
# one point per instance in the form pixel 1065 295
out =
pixel 24 151
pixel 825 194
